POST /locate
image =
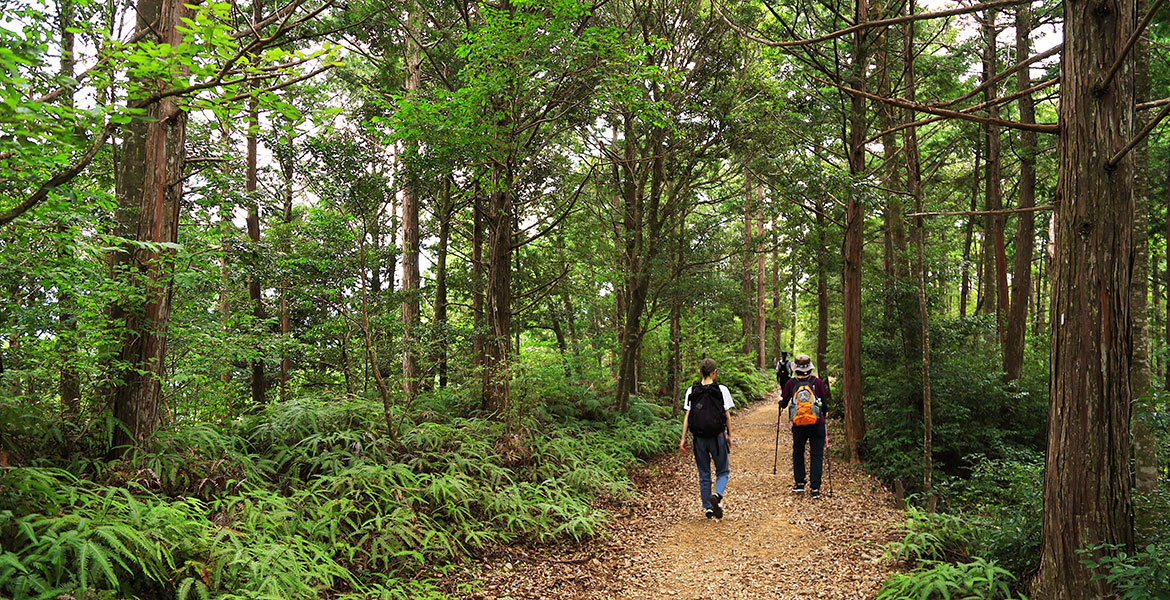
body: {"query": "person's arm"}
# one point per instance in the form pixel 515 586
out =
pixel 727 420
pixel 682 442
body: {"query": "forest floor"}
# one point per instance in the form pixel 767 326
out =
pixel 771 543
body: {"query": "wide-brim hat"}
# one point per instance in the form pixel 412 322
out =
pixel 797 367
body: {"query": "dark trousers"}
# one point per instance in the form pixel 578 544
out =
pixel 814 436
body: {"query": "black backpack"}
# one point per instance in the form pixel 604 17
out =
pixel 708 418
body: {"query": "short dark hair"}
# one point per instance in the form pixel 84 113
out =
pixel 707 366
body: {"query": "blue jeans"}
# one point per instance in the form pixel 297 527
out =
pixel 706 450
pixel 814 435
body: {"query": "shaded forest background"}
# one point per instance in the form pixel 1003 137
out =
pixel 320 299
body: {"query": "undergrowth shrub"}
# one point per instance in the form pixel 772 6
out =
pixel 311 498
pixel 979 579
pixel 1144 575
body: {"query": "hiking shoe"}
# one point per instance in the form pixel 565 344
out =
pixel 710 514
pixel 717 505
pixel 814 493
pixel 798 488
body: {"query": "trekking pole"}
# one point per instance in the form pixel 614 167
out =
pixel 829 458
pixel 776 458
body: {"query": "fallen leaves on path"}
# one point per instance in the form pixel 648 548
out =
pixel 771 543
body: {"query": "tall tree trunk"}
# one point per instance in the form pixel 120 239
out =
pixel 1156 311
pixel 822 347
pixel 1145 443
pixel 148 189
pixel 410 234
pixel 499 221
pixel 478 318
pixel 288 166
pixel 777 341
pixel 442 329
pixel 994 260
pixel 1017 321
pixel 69 385
pixel 746 316
pixel 1087 485
pixel 253 223
pixel 854 239
pixel 965 286
pixel 914 187
pixel 761 285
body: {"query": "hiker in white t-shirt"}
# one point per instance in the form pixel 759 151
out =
pixel 707 405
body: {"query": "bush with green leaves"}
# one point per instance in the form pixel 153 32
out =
pixel 1144 575
pixel 932 537
pixel 974 412
pixel 979 579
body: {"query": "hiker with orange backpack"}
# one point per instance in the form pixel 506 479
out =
pixel 707 405
pixel 806 397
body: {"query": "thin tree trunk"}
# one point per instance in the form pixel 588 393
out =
pixel 1017 321
pixel 1156 312
pixel 777 341
pixel 822 347
pixel 854 239
pixel 914 187
pixel 965 286
pixel 1087 483
pixel 410 234
pixel 70 381
pixel 442 329
pixel 253 223
pixel 289 169
pixel 478 319
pixel 1144 441
pixel 149 188
pixel 761 285
pixel 994 261
pixel 746 316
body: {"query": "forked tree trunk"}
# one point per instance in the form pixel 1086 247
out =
pixel 149 188
pixel 1087 485
pixel 1017 321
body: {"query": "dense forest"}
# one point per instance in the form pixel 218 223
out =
pixel 331 299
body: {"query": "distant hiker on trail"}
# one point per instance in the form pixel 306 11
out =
pixel 806 397
pixel 783 369
pixel 707 404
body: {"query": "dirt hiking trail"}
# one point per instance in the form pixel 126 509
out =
pixel 771 543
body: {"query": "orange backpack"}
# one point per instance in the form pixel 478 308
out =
pixel 805 407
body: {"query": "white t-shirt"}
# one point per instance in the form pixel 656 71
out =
pixel 727 403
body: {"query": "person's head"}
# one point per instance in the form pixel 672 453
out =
pixel 802 365
pixel 707 367
pixel 784 355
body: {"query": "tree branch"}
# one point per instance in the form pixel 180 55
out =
pixel 975 213
pixel 1141 135
pixel 1037 127
pixel 1102 83
pixel 868 24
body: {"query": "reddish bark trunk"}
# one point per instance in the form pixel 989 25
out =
pixel 1087 493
